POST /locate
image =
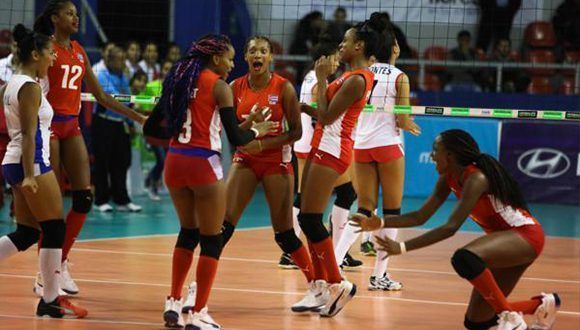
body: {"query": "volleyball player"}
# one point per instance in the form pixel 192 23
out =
pixel 339 105
pixel 192 92
pixel 493 263
pixel 63 90
pixel 26 167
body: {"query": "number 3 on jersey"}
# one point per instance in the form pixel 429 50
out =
pixel 185 135
pixel 70 76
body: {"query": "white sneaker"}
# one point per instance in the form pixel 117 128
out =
pixel 546 312
pixel 511 321
pixel 130 207
pixel 104 208
pixel 66 282
pixel 190 300
pixel 38 288
pixel 384 283
pixel 340 294
pixel 316 297
pixel 153 195
pixel 172 314
pixel 201 321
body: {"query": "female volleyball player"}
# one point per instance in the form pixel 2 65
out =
pixel 63 83
pixel 493 263
pixel 26 167
pixel 339 105
pixel 192 91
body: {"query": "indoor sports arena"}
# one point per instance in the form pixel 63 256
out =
pixel 290 164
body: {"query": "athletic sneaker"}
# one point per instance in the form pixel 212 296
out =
pixel 38 288
pixel 511 321
pixel 339 294
pixel 153 195
pixel 129 207
pixel 201 321
pixel 368 249
pixel 316 297
pixel 286 262
pixel 172 314
pixel 350 263
pixel 60 308
pixel 546 312
pixel 190 300
pixel 66 282
pixel 104 208
pixel 384 283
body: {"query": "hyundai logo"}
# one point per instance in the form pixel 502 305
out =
pixel 543 163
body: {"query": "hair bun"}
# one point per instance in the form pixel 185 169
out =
pixel 377 23
pixel 20 32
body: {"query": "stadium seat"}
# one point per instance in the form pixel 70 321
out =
pixel 435 53
pixel 540 34
pixel 540 85
pixel 567 87
pixel 540 56
pixel 572 56
pixel 431 83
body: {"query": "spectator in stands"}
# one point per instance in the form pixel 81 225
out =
pixel 173 53
pixel 133 51
pixel 112 141
pixel 138 85
pixel 105 49
pixel 339 26
pixel 149 63
pixel 307 35
pixel 8 65
pixel 566 23
pixel 461 78
pixel 405 49
pixel 513 80
pixel 496 18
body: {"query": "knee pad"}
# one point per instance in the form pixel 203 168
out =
pixel 187 239
pixel 364 212
pixel 227 232
pixel 392 211
pixel 297 201
pixel 485 325
pixel 467 264
pixel 345 195
pixel 24 237
pixel 53 232
pixel 211 246
pixel 287 241
pixel 82 201
pixel 312 226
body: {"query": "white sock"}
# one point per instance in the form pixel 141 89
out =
pixel 366 236
pixel 348 238
pixel 380 264
pixel 297 228
pixel 7 248
pixel 339 221
pixel 50 268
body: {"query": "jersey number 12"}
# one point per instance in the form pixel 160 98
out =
pixel 70 76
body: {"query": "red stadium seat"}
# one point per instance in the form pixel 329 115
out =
pixel 540 85
pixel 431 83
pixel 435 53
pixel 277 47
pixel 540 34
pixel 540 56
pixel 567 87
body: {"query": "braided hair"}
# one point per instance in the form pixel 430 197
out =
pixel 501 184
pixel 43 23
pixel 180 83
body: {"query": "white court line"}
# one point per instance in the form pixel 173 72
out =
pixel 292 293
pixel 44 319
pixel 275 262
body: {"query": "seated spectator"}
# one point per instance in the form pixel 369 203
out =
pixel 307 35
pixel 461 78
pixel 173 53
pixel 566 23
pixel 495 21
pixel 339 26
pixel 133 50
pixel 513 80
pixel 149 63
pixel 138 85
pixel 105 49
pixel 399 35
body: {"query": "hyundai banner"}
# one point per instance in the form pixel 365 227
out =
pixel 420 173
pixel 544 159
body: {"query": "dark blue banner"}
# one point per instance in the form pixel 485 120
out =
pixel 543 158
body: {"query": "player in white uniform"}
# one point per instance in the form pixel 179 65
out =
pixel 26 167
pixel 379 155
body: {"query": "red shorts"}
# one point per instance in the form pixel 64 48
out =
pixel 534 234
pixel 379 154
pixel 261 168
pixel 64 127
pixel 301 155
pixel 325 159
pixel 189 167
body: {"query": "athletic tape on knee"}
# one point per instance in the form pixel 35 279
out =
pixel 485 325
pixel 312 226
pixel 467 264
pixel 211 246
pixel 287 241
pixel 227 232
pixel 392 211
pixel 82 201
pixel 345 195
pixel 364 212
pixel 187 239
pixel 297 201
pixel 53 232
pixel 24 237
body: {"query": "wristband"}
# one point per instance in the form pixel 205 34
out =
pixel 403 247
pixel 255 132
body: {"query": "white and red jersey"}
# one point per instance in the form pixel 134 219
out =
pixel 379 129
pixel 337 138
pixel 202 126
pixel 490 213
pixel 306 96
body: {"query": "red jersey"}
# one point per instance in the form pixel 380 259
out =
pixel 489 213
pixel 202 126
pixel 337 138
pixel 271 96
pixel 65 79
